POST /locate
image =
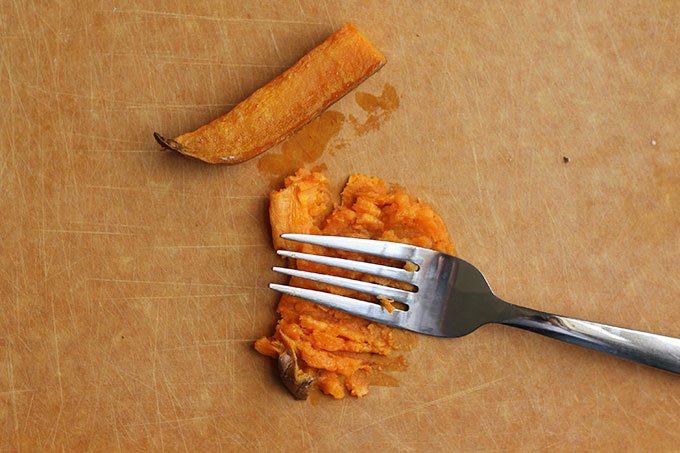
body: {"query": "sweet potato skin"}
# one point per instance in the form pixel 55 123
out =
pixel 285 104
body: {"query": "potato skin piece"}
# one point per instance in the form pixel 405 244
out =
pixel 296 381
pixel 285 104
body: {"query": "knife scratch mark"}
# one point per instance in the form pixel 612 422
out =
pixel 328 13
pixel 105 233
pixel 619 59
pixel 676 400
pixel 644 421
pixel 154 360
pixel 123 374
pixel 28 412
pixel 116 280
pixel 176 403
pixel 551 445
pixel 216 19
pixel 124 225
pixel 477 175
pixel 169 422
pixel 115 427
pixel 132 105
pixel 167 191
pixel 209 343
pixel 106 138
pixel 276 45
pixel 162 58
pixel 661 48
pixel 491 433
pixel 427 404
pixel 302 12
pixel 174 296
pixel 234 246
pixel 305 433
pixel 410 78
pixel 123 151
pixel 13 391
pixel 55 429
pixel 42 251
pixel 197 347
pixel 230 358
pixel 565 262
pixel 56 350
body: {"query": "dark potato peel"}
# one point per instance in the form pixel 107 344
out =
pixel 167 143
pixel 296 381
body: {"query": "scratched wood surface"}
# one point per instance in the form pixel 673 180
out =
pixel 132 281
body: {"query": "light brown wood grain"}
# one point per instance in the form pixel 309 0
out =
pixel 133 282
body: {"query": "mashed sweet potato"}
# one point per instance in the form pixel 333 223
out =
pixel 336 351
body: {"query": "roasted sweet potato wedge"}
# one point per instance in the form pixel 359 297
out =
pixel 284 105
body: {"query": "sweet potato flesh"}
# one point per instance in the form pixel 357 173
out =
pixel 286 103
pixel 345 353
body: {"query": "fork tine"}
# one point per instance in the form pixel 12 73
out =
pixel 384 249
pixel 358 266
pixel 367 310
pixel 398 295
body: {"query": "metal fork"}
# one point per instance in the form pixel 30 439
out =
pixel 452 299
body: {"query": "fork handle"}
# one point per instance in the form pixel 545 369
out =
pixel 650 349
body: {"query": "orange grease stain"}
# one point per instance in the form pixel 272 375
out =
pixel 309 144
pixel 378 109
pixel 305 147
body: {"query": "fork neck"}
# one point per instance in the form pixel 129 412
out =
pixel 478 309
pixel 508 313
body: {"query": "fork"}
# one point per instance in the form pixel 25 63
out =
pixel 452 299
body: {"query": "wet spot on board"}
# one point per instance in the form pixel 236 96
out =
pixel 303 148
pixel 378 109
pixel 654 216
pixel 667 179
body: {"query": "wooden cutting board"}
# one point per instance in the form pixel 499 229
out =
pixel 133 281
